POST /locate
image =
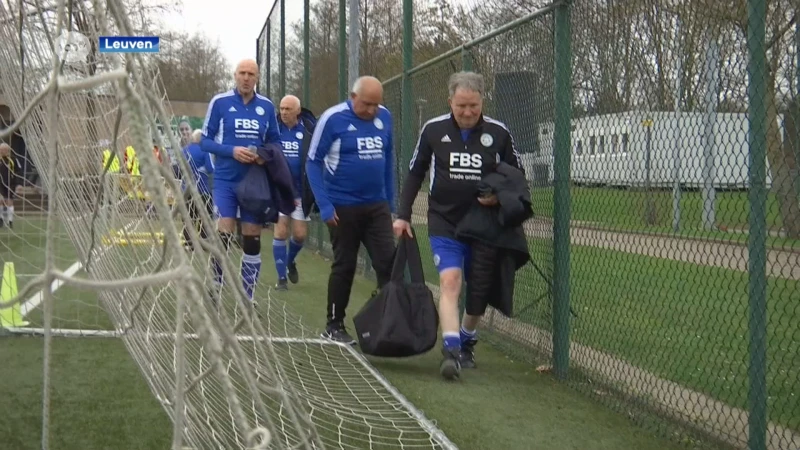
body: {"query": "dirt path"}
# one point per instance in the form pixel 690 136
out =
pixel 780 264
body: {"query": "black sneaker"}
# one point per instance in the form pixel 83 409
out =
pixel 450 368
pixel 467 355
pixel 337 332
pixel 294 277
pixel 2 222
pixel 282 285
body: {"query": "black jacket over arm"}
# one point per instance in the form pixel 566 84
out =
pixel 499 244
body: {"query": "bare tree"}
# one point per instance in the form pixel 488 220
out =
pixel 192 67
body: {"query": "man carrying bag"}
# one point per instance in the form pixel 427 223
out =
pixel 401 319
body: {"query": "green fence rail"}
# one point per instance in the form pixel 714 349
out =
pixel 661 140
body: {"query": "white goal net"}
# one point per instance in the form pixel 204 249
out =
pixel 227 376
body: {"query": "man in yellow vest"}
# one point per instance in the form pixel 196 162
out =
pixel 132 164
pixel 114 168
pixel 113 174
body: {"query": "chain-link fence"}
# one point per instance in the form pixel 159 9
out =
pixel 661 141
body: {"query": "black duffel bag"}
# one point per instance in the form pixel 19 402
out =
pixel 401 319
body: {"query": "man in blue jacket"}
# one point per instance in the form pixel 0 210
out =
pixel 350 171
pixel 236 120
pixel 296 125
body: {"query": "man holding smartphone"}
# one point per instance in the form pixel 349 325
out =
pixel 463 146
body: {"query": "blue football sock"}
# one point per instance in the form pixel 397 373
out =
pixel 467 335
pixel 451 340
pixel 279 253
pixel 294 249
pixel 251 267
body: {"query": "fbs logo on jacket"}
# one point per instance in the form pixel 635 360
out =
pixel 465 166
pixel 246 128
pixel 370 147
pixel 291 145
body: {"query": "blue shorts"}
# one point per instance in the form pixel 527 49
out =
pixel 226 204
pixel 450 254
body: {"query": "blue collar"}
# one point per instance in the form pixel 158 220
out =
pixel 298 127
pixel 239 96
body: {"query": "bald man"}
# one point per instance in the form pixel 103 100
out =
pixel 238 119
pixel 296 125
pixel 351 173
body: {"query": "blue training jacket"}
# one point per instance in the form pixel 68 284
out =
pixel 201 165
pixel 292 145
pixel 230 123
pixel 357 156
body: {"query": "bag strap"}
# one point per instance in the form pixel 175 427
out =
pixel 400 257
pixel 414 260
pixel 407 253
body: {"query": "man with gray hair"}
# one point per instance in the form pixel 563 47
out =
pixel 462 146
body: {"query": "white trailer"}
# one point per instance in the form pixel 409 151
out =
pixel 614 149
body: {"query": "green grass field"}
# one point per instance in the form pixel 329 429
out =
pixel 683 322
pixel 100 399
pixel 624 210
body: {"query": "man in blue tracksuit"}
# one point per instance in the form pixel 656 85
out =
pixel 296 125
pixel 235 120
pixel 201 169
pixel 351 174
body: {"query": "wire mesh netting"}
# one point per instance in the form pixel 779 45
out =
pixel 671 319
pixel 660 173
pixel 262 58
pixel 229 372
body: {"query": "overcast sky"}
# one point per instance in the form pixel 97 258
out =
pixel 235 24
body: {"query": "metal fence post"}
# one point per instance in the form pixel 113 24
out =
pixel 757 121
pixel 342 50
pixel 677 146
pixel 406 94
pixel 268 88
pixel 282 90
pixel 709 193
pixel 258 62
pixel 354 46
pixel 466 59
pixel 406 102
pixel 561 195
pixel 307 53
